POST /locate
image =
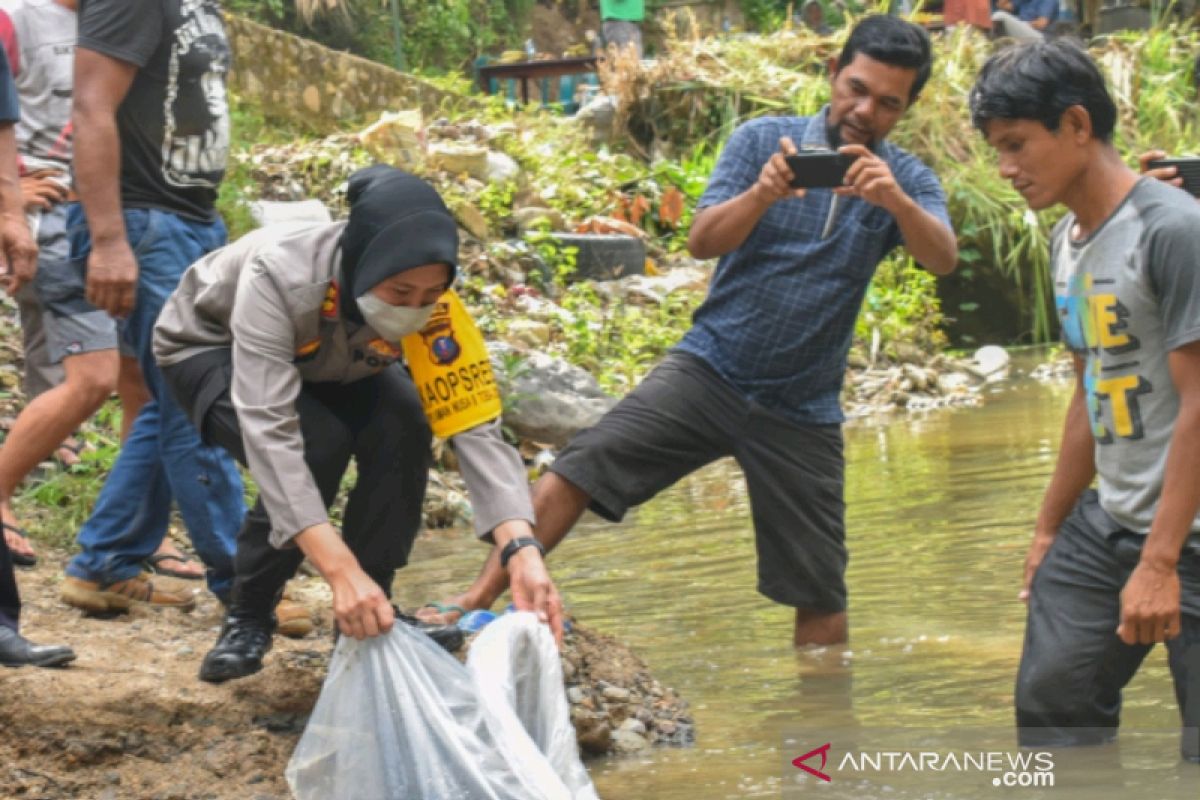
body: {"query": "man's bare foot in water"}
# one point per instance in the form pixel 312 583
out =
pixel 169 560
pixel 447 612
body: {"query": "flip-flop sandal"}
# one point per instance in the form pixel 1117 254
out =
pixel 20 559
pixel 154 564
pixel 444 608
pixel 71 445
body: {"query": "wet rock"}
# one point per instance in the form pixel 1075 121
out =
pixel 549 399
pixel 629 742
pixel 953 382
pixel 615 694
pixel 575 695
pixel 908 353
pixel 633 725
pixel 918 379
pixel 634 707
pixel 592 731
pixel 1062 366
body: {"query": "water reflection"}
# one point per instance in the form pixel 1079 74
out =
pixel 940 510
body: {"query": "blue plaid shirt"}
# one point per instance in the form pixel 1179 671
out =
pixel 779 317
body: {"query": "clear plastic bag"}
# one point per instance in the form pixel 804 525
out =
pixel 400 719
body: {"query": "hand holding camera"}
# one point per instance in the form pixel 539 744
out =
pixel 870 178
pixel 775 178
pixel 1181 172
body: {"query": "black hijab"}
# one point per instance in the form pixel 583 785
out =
pixel 397 222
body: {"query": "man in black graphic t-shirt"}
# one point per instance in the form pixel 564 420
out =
pixel 174 119
pixel 151 140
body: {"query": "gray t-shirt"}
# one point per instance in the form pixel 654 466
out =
pixel 1127 295
pixel 39 37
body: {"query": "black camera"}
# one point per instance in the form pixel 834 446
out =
pixel 818 169
pixel 1186 168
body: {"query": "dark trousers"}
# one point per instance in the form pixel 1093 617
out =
pixel 377 420
pixel 10 600
pixel 1074 665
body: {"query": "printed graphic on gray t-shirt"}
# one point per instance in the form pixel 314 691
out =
pixel 39 36
pixel 1126 296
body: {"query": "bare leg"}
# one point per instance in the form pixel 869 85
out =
pixel 47 420
pixel 821 627
pixel 558 505
pixel 54 414
pixel 18 545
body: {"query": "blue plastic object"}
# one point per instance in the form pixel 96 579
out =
pixel 474 621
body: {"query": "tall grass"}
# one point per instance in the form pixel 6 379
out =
pixel 704 87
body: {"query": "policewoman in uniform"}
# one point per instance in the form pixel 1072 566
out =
pixel 288 349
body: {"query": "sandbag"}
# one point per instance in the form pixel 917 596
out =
pixel 399 718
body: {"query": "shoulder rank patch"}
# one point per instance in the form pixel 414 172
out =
pixel 329 306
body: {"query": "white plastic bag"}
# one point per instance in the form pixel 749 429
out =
pixel 400 719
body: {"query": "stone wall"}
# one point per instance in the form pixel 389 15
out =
pixel 298 79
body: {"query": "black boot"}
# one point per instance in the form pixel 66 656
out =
pixel 240 648
pixel 17 651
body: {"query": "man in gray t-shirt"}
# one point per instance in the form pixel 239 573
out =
pixel 1115 570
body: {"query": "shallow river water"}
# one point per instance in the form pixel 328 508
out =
pixel 940 510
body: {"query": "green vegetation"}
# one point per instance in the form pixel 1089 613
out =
pixel 682 110
pixel 705 87
pixel 438 35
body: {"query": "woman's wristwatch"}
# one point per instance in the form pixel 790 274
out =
pixel 513 546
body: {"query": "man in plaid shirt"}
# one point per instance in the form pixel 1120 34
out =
pixel 759 374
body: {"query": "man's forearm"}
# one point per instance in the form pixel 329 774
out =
pixel 1074 470
pixel 11 201
pixel 723 228
pixel 927 238
pixel 97 163
pixel 1181 492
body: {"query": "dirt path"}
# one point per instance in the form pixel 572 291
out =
pixel 129 720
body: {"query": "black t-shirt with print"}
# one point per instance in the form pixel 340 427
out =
pixel 174 122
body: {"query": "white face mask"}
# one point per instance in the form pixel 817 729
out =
pixel 391 322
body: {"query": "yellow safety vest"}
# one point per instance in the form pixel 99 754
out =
pixel 449 363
